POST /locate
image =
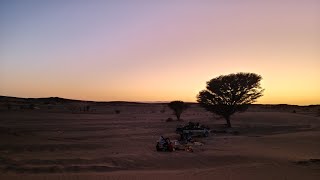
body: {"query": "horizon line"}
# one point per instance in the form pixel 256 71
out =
pixel 155 102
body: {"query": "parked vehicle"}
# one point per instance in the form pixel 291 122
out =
pixel 193 129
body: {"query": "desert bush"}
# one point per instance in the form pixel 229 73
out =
pixel 178 107
pixel 169 120
pixel 163 110
pixel 87 108
pixel 9 107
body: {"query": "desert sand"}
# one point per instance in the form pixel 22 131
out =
pixel 54 143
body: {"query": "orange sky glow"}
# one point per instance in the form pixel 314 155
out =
pixel 158 51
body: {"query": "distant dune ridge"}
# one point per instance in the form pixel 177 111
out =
pixel 15 102
pixel 57 138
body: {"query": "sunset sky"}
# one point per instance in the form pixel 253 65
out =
pixel 143 50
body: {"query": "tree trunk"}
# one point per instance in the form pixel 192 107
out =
pixel 228 121
pixel 178 116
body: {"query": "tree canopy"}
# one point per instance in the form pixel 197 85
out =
pixel 178 107
pixel 228 94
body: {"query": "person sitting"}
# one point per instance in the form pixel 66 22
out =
pixel 164 144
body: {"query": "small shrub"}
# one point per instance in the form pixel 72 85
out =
pixel 163 110
pixel 88 108
pixel 169 120
pixel 9 107
pixel 31 106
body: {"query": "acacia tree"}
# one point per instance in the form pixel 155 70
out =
pixel 228 94
pixel 178 107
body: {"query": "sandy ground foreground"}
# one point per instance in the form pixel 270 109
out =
pixel 101 144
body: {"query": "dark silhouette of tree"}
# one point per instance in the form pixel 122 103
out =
pixel 226 95
pixel 178 107
pixel 88 108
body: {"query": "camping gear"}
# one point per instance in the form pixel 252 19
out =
pixel 164 144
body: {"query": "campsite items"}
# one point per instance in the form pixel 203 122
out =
pixel 186 141
pixel 165 145
pixel 198 143
pixel 189 149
